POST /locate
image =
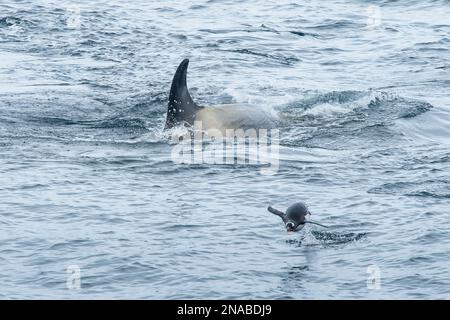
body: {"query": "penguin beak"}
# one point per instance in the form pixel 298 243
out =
pixel 290 227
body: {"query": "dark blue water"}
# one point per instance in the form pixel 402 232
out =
pixel 87 179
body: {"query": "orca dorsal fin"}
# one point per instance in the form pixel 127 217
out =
pixel 181 107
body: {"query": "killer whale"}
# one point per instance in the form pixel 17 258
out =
pixel 182 110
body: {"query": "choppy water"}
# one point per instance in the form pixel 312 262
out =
pixel 86 176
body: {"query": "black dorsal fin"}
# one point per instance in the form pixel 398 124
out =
pixel 181 107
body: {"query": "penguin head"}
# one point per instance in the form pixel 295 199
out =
pixel 296 216
pixel 290 226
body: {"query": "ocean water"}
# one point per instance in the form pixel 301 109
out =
pixel 92 204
